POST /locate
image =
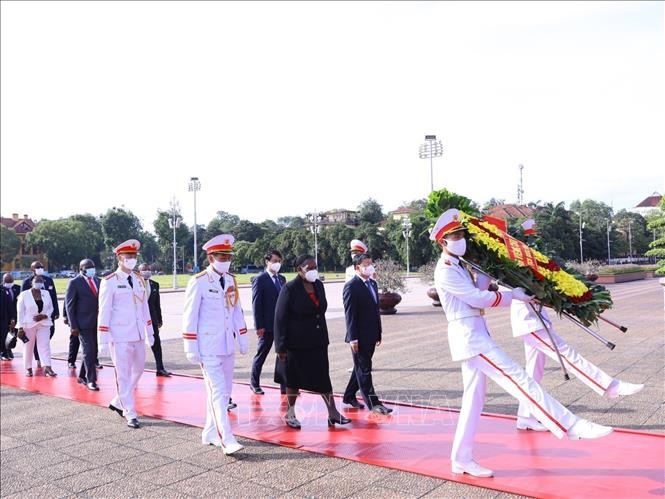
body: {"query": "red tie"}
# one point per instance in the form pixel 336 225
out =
pixel 92 286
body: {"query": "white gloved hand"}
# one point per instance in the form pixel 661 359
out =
pixel 520 294
pixel 151 340
pixel 194 358
pixel 103 349
pixel 243 344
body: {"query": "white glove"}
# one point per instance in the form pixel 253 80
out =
pixel 103 349
pixel 520 294
pixel 243 344
pixel 151 340
pixel 482 281
pixel 194 358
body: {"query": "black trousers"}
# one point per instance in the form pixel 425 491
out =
pixel 88 340
pixel 262 350
pixel 361 377
pixel 36 353
pixel 74 344
pixel 157 349
pixel 3 337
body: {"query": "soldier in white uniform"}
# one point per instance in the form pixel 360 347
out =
pixel 124 325
pixel 357 248
pixel 537 345
pixel 462 300
pixel 212 320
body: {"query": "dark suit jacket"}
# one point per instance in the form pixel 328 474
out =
pixel 363 322
pixel 299 324
pixel 16 290
pixel 49 286
pixel 81 304
pixel 264 299
pixel 7 310
pixel 154 304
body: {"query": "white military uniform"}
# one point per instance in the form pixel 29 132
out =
pixel 212 320
pixel 537 345
pixel 357 246
pixel 124 325
pixel 470 342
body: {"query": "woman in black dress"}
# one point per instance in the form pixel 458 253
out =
pixel 301 341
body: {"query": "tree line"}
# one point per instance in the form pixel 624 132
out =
pixel 67 240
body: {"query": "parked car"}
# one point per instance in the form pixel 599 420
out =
pixel 250 269
pixel 69 274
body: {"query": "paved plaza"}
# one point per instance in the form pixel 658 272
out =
pixel 58 448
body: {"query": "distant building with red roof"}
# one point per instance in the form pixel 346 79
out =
pixel 22 227
pixel 648 204
pixel 506 211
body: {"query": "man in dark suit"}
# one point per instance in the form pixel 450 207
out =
pixel 13 290
pixel 38 269
pixel 363 333
pixel 82 306
pixel 155 306
pixel 7 319
pixel 265 290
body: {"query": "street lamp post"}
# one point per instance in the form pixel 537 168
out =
pixel 431 149
pixel 174 223
pixel 195 186
pixel 582 225
pixel 314 220
pixel 609 229
pixel 630 241
pixel 406 232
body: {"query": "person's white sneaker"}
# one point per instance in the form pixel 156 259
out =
pixel 232 448
pixel 472 468
pixel 530 423
pixel 586 429
pixel 619 388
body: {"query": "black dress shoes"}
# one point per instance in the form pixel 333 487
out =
pixel 99 366
pixel 338 420
pixel 257 389
pixel 114 408
pixel 162 372
pixel 231 405
pixel 381 409
pixel 71 365
pixel 133 423
pixel 92 387
pixel 81 381
pixel 354 403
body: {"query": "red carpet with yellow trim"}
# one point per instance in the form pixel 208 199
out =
pixel 414 439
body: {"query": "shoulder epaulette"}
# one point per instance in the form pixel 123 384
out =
pixel 200 274
pixel 109 276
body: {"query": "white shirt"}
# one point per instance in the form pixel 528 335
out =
pixel 462 302
pixel 524 321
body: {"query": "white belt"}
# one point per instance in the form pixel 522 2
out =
pixel 463 314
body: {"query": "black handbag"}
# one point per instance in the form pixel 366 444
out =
pixel 10 342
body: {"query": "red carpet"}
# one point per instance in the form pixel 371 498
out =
pixel 414 439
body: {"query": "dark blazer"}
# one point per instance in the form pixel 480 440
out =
pixel 299 324
pixel 16 290
pixel 81 304
pixel 363 322
pixel 264 299
pixel 154 304
pixel 49 286
pixel 7 311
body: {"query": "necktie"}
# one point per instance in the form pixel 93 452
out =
pixel 221 281
pixel 278 284
pixel 92 286
pixel 371 291
pixel 129 280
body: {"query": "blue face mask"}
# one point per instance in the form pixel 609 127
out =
pixel 91 272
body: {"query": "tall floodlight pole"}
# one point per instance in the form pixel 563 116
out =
pixel 406 232
pixel 314 225
pixel 582 225
pixel 431 149
pixel 630 241
pixel 195 186
pixel 609 229
pixel 174 223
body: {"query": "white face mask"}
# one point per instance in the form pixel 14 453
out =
pixel 457 248
pixel 129 263
pixel 312 275
pixel 146 274
pixel 275 267
pixel 221 267
pixel 38 285
pixel 39 271
pixel 368 271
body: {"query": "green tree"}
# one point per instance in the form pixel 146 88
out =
pixel 421 250
pixel 557 235
pixel 118 225
pixel 335 239
pixel 370 211
pixel 150 252
pixel 657 247
pixel 595 216
pixel 65 242
pixel 631 232
pixel 10 244
pixel 165 236
pixel 492 203
pixel 95 231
